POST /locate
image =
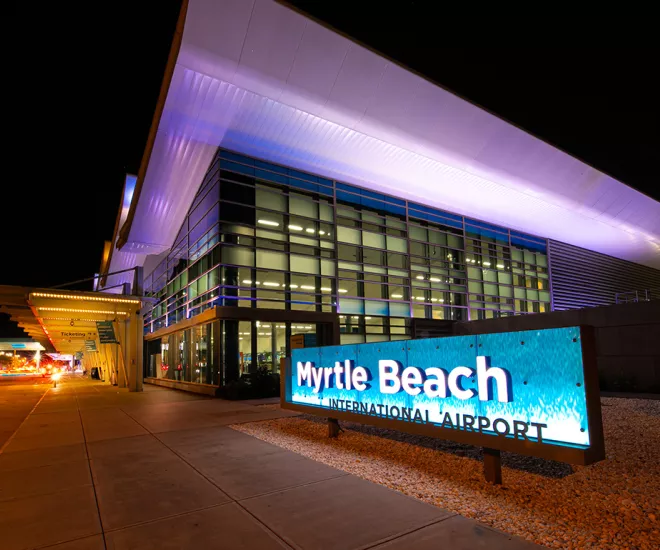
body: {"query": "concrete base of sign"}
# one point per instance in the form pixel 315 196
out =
pixel 492 466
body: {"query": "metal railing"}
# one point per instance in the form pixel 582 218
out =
pixel 633 296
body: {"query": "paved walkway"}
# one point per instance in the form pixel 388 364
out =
pixel 92 467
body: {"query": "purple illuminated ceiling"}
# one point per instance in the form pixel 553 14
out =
pixel 257 78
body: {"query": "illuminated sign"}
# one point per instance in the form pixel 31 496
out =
pixel 531 392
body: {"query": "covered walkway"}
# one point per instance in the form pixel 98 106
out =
pixel 94 467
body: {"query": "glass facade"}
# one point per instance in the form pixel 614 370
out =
pixel 188 355
pixel 259 235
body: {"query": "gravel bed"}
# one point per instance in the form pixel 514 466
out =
pixel 614 504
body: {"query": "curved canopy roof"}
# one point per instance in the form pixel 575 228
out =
pixel 62 320
pixel 258 78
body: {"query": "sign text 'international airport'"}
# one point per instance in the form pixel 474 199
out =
pixel 531 392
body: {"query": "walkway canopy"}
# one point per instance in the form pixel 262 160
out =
pixel 67 322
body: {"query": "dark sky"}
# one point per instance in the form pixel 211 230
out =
pixel 85 84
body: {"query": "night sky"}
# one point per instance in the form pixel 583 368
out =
pixel 86 84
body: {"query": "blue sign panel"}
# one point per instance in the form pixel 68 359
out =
pixel 513 391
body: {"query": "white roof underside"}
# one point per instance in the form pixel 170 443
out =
pixel 260 79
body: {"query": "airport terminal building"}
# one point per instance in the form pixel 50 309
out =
pixel 299 189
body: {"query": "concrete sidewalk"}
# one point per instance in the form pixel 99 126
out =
pixel 93 467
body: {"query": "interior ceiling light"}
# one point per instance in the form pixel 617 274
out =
pixel 91 298
pixel 295 227
pixel 268 222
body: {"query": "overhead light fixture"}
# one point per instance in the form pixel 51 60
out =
pixel 343 291
pixel 307 287
pixel 268 222
pixel 321 232
pixel 79 297
pixel 434 280
pixel 69 319
pixel 309 230
pixel 487 264
pixel 326 289
pixel 293 286
pixel 67 310
pixel 271 283
pixel 500 266
pixel 397 295
pixel 295 227
pixel 247 282
pixel 420 277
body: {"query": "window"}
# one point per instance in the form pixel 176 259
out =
pixel 260 235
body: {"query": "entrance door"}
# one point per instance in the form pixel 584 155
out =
pixel 251 345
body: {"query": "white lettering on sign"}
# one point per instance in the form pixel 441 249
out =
pixel 455 386
pixel 432 382
pixel 485 373
pixel 389 376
